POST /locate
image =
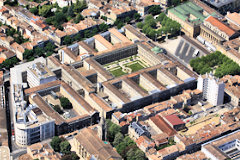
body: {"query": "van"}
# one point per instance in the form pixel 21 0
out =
pixel 196 52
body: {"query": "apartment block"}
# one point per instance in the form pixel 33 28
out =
pixel 212 88
pixel 38 74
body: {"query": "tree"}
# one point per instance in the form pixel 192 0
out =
pixel 74 156
pixel 137 16
pixel 139 155
pixel 60 18
pixel 87 33
pixel 34 10
pixel 50 47
pixel 78 18
pixel 127 19
pixel 11 2
pixel 103 27
pixel 65 147
pixel 70 12
pixel 140 25
pixel 45 11
pixel 130 154
pixel 57 108
pixel 118 139
pixel 160 17
pixel 55 143
pixel 79 6
pixel 78 37
pixel 112 130
pixel 38 51
pixel 66 157
pixel 152 34
pixel 67 40
pixel 64 9
pixel 154 10
pixel 65 103
pixel 146 28
pixel 121 149
pixel 27 54
pixel 176 2
pixel 104 18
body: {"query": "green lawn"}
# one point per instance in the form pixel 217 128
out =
pixel 135 67
pixel 117 72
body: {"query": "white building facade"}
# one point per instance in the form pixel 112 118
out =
pixel 39 74
pixel 212 88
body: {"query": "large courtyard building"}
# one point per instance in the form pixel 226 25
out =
pixel 190 16
pixel 226 147
pixel 212 88
pixel 31 124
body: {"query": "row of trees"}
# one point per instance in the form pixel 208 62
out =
pixel 86 34
pixel 125 146
pixel 63 146
pixel 60 15
pixel 215 62
pixel 9 63
pixel 168 26
pixel 46 51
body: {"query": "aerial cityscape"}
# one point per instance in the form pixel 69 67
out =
pixel 119 79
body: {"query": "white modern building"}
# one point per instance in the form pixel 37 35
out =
pixel 223 148
pixel 212 88
pixel 38 74
pixel 31 125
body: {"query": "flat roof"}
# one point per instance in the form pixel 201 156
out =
pixel 184 11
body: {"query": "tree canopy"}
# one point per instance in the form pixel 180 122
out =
pixel 65 103
pixel 217 63
pixel 55 143
pixel 149 26
pixel 124 145
pixel 65 147
pixel 154 10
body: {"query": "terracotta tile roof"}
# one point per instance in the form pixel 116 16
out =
pixel 103 41
pixel 95 146
pixel 89 49
pixel 220 25
pixel 42 87
pixel 117 115
pixel 119 35
pixel 94 64
pixel 2 59
pixel 48 110
pixel 234 18
pixel 101 102
pixel 163 126
pixel 174 120
pixel 78 98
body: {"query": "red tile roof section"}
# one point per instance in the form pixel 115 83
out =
pixel 220 25
pixel 161 124
pixel 174 119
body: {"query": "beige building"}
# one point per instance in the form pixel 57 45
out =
pixel 190 16
pixel 216 31
pixel 232 88
pixel 88 145
pixel 42 151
